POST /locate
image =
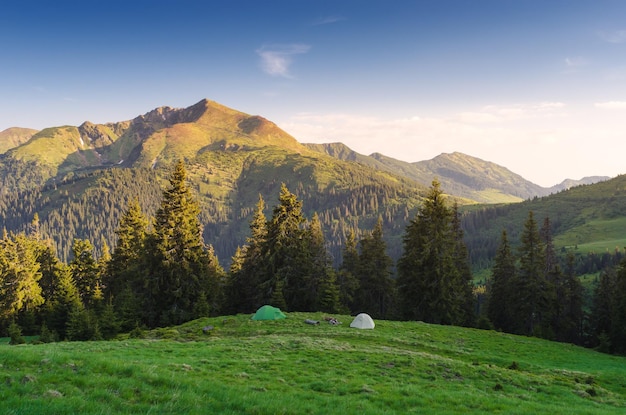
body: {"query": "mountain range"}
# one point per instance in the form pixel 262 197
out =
pixel 165 133
pixel 79 179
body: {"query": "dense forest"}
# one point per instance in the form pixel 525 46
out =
pixel 160 271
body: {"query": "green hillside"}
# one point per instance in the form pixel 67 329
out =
pixel 288 367
pixel 13 137
pixel 589 218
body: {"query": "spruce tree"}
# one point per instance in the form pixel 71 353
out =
pixel 65 299
pixel 603 310
pixel 428 274
pixel 501 292
pixel 618 331
pixel 248 264
pixel 126 267
pixel 376 293
pixel 329 300
pixel 178 265
pixel 284 250
pixel 531 305
pixel 347 274
pixel 464 285
pixel 19 276
pixel 85 272
pixel 320 272
pixel 571 293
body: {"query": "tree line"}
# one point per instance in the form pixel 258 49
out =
pixel 161 272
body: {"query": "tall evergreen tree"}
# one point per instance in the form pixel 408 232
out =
pixel 85 272
pixel 65 299
pixel 284 276
pixel 570 293
pixel 19 276
pixel 430 283
pixel 248 264
pixel 321 284
pixel 126 267
pixel 214 281
pixel 500 289
pixel 464 286
pixel 178 263
pixel 618 332
pixel 347 274
pixel 376 293
pixel 531 306
pixel 603 310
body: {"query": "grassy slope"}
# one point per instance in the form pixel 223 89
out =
pixel 13 137
pixel 289 367
pixel 586 218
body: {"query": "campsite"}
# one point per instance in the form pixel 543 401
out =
pixel 286 366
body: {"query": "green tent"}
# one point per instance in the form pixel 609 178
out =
pixel 267 312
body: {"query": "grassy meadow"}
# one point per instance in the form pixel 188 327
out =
pixel 288 367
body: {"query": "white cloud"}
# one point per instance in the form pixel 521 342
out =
pixel 499 114
pixel 575 62
pixel 611 105
pixel 327 20
pixel 276 59
pixel 616 36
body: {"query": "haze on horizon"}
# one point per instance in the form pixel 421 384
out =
pixel 536 86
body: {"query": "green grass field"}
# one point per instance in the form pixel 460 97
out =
pixel 604 234
pixel 288 367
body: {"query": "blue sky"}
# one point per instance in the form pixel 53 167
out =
pixel 536 86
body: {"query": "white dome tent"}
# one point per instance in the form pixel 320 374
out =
pixel 362 321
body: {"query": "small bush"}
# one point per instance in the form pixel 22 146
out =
pixel 15 333
pixel 136 333
pixel 47 336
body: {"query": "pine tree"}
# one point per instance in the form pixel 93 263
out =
pixel 125 274
pixel 603 310
pixel 618 332
pixel 108 322
pixel 214 282
pixel 464 286
pixel 329 301
pixel 531 305
pixel 376 293
pixel 19 276
pixel 321 285
pixel 283 276
pixel 125 269
pixel 556 293
pixel 428 277
pixel 85 272
pixel 570 292
pixel 346 276
pixel 247 265
pixel 65 299
pixel 178 265
pixel 500 289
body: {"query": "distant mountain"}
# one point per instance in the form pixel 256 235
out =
pixel 13 137
pixel 569 183
pixel 459 174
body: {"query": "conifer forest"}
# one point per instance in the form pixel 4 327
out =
pixel 160 271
